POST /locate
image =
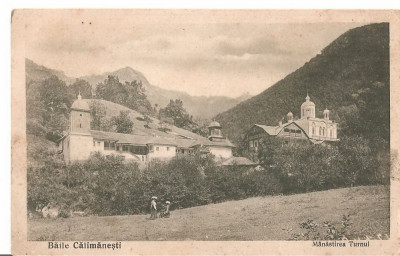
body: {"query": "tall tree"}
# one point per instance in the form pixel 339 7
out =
pixel 123 123
pixel 130 94
pixel 177 112
pixel 55 97
pixel 80 86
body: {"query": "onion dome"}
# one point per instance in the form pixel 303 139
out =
pixel 80 104
pixel 290 114
pixel 326 111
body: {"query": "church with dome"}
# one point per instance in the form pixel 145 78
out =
pixel 308 128
pixel 143 144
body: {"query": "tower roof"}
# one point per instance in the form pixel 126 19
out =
pixel 214 124
pixel 326 110
pixel 80 104
pixel 308 102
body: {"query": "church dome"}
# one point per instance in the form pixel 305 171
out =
pixel 308 103
pixel 326 111
pixel 290 114
pixel 80 104
pixel 214 124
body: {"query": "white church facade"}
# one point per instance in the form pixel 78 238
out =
pixel 308 128
pixel 80 141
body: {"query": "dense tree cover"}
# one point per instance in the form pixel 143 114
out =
pixel 129 94
pixel 49 102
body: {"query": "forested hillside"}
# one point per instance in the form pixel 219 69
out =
pixel 350 77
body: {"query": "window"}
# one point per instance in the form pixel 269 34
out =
pixel 106 144
pixel 94 143
pixel 157 148
pixel 80 125
pixel 80 114
pixel 167 148
pixel 98 143
pixel 125 148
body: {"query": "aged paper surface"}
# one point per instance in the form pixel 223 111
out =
pixel 101 26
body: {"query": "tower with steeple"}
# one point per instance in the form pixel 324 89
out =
pixel 80 116
pixel 78 143
pixel 308 108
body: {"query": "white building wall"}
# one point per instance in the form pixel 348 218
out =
pixel 220 152
pixel 80 147
pixel 162 152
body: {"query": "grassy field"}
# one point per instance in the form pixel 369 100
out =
pixel 259 218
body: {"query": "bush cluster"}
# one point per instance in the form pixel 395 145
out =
pixel 106 185
pixel 305 167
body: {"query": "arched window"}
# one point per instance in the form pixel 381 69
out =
pixel 313 128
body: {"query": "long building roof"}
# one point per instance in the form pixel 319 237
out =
pixel 143 140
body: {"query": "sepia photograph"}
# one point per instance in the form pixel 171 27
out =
pixel 194 125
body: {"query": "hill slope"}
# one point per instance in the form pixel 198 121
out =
pixel 352 64
pixel 139 125
pixel 260 218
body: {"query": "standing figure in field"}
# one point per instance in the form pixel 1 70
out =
pixel 153 208
pixel 165 213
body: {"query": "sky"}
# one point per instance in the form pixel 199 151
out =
pixel 214 58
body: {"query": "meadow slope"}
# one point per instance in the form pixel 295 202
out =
pixel 259 218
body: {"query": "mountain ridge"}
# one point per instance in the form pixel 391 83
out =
pixel 197 106
pixel 353 63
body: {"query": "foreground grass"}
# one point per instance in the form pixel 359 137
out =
pixel 259 218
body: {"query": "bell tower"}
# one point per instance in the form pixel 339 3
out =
pixel 80 116
pixel 308 108
pixel 215 131
pixel 326 114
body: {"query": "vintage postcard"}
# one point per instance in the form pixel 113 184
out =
pixel 205 132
